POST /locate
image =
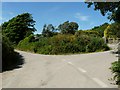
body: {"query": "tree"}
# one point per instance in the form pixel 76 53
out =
pixel 51 28
pixel 100 29
pixel 19 27
pixel 110 8
pixel 114 30
pixel 116 27
pixel 68 27
pixel 73 27
pixel 44 30
pixel 48 30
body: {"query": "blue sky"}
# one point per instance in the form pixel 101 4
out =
pixel 54 13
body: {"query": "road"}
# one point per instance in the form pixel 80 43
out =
pixel 62 71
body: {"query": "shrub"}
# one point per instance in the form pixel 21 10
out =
pixel 7 53
pixel 115 68
pixel 95 44
pixel 10 58
pixel 27 44
pixel 61 44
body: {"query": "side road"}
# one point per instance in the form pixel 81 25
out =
pixel 62 71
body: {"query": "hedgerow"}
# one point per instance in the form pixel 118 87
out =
pixel 62 44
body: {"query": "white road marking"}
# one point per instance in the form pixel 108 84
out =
pixel 82 70
pixel 70 63
pixel 100 82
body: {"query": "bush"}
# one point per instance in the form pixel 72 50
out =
pixel 96 44
pixel 27 44
pixel 115 68
pixel 7 53
pixel 9 57
pixel 62 44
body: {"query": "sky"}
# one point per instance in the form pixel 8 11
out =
pixel 54 13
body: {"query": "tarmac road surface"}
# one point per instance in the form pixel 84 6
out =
pixel 62 71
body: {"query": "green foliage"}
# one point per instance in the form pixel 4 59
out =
pixel 115 68
pixel 48 31
pixel 114 30
pixel 62 44
pixel 100 29
pixel 111 8
pixel 18 27
pixel 7 48
pixel 96 44
pixel 68 27
pixel 113 11
pixel 106 32
pixel 97 31
pixel 92 33
pixel 9 57
pixel 27 44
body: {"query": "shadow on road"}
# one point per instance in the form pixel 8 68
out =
pixel 19 61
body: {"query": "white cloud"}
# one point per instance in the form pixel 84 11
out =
pixel 81 17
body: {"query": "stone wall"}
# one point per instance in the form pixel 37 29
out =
pixel 113 40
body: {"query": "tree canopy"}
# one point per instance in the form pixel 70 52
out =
pixel 19 27
pixel 100 29
pixel 113 30
pixel 68 27
pixel 48 30
pixel 110 8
